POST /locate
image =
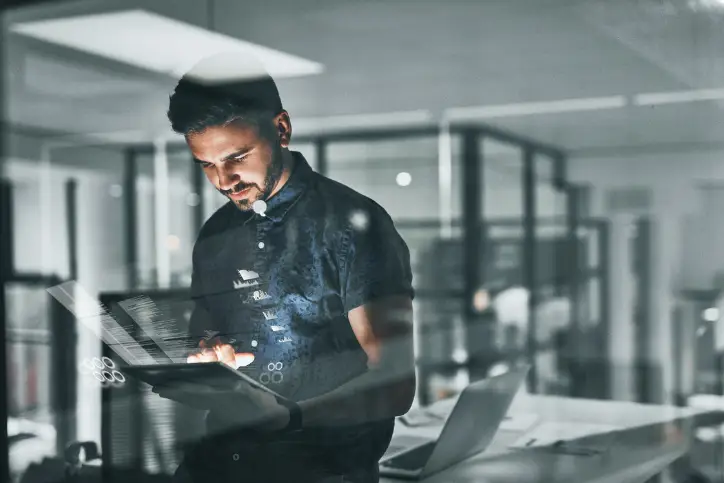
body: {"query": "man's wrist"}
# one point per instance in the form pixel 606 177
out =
pixel 294 416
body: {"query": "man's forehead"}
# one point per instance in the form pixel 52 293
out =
pixel 223 141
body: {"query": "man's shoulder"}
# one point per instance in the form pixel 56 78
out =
pixel 345 204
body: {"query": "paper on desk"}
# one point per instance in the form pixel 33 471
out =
pixel 518 422
pixel 547 433
pixel 421 418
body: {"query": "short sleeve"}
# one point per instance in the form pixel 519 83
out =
pixel 376 261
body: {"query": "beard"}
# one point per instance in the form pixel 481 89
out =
pixel 273 174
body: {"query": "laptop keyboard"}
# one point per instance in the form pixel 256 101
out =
pixel 414 459
pixel 401 443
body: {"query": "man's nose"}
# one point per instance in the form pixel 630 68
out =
pixel 227 179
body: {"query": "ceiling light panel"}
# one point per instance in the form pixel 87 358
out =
pixel 161 44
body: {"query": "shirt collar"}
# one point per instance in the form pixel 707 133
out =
pixel 278 205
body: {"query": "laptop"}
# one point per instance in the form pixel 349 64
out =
pixel 469 430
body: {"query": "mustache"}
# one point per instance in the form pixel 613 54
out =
pixel 236 189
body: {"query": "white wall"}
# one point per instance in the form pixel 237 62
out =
pixel 685 253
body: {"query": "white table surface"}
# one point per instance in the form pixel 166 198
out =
pixel 645 442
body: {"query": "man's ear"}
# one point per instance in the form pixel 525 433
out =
pixel 284 128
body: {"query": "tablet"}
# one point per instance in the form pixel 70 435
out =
pixel 216 375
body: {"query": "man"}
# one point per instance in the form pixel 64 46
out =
pixel 300 282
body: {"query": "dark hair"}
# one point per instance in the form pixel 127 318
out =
pixel 195 106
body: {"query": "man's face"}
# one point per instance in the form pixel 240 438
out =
pixel 240 163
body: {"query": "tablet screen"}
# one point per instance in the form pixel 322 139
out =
pixel 209 374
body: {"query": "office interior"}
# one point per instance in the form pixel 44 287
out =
pixel 555 167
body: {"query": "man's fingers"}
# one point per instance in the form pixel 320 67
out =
pixel 207 355
pixel 222 353
pixel 225 354
pixel 209 343
pixel 243 359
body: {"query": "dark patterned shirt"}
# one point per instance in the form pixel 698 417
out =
pixel 281 285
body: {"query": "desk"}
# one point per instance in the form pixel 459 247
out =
pixel 648 438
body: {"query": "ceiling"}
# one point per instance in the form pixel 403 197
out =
pixel 412 55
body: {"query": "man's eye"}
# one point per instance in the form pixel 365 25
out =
pixel 206 165
pixel 240 158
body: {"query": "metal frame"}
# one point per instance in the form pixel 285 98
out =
pixel 530 260
pixel 604 245
pixel 130 173
pixel 473 230
pixel 647 383
pixel 574 275
pixel 6 259
pixel 321 152
pixel 71 202
pixel 376 134
pixel 197 185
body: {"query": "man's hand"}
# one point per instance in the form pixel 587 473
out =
pixel 215 351
pixel 242 407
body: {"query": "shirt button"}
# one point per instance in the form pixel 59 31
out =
pixel 261 245
pixel 235 457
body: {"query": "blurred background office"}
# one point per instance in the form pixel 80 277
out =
pixel 556 168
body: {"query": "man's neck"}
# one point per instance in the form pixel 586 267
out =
pixel 288 162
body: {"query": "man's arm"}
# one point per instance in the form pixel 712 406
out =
pixel 376 287
pixel 384 330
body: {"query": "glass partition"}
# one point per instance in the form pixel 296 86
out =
pixel 401 174
pixel 503 212
pixel 407 176
pixel 502 181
